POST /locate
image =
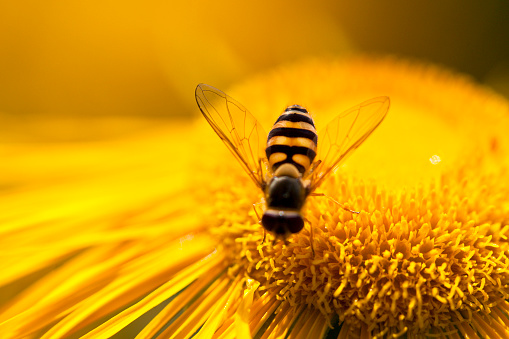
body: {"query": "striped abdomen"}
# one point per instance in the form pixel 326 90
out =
pixel 293 140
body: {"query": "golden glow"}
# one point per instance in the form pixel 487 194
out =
pixel 115 57
pixel 95 235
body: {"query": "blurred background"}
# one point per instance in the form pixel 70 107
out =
pixel 63 63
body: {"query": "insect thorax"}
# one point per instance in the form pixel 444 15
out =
pixel 285 192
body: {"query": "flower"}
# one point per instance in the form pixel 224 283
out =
pixel 160 229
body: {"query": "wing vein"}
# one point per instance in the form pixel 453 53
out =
pixel 345 133
pixel 236 127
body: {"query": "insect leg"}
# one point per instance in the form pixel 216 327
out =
pixel 314 166
pixel 334 201
pixel 259 220
pixel 256 212
pixel 311 236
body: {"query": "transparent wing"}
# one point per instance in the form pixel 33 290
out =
pixel 344 134
pixel 238 129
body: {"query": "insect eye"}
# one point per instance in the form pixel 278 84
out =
pixel 295 223
pixel 271 222
pixel 282 223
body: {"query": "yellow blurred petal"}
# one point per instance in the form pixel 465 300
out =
pixel 242 316
pixel 263 308
pixel 282 322
pixel 218 315
pixel 177 283
pixel 194 317
pixel 184 298
pixel 305 324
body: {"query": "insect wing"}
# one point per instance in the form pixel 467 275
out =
pixel 344 134
pixel 238 129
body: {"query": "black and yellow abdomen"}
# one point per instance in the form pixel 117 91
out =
pixel 292 140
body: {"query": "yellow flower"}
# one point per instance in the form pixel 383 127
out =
pixel 160 231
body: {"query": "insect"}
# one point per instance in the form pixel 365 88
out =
pixel 289 163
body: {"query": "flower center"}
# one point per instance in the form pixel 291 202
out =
pixel 418 258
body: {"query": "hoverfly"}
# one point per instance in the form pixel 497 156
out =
pixel 282 164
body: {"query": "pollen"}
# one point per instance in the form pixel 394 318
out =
pixel 427 254
pixel 413 259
